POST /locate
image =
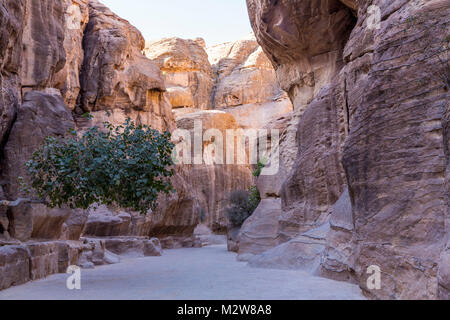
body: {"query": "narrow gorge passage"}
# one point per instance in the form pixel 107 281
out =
pixel 312 137
pixel 209 273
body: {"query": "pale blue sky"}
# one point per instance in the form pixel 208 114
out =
pixel 216 21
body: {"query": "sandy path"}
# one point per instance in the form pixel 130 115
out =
pixel 206 273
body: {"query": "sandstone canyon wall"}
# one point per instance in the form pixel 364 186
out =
pixel 228 86
pixel 370 182
pixel 60 60
pixel 63 60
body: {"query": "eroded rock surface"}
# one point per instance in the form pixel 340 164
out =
pixel 212 178
pixel 116 78
pixel 67 80
pixel 39 116
pixel 12 14
pixel 186 70
pixel 367 123
pixel 246 84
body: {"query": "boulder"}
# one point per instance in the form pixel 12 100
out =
pixel 301 253
pixel 133 246
pixel 152 248
pixel 103 222
pixel 178 242
pixel 44 259
pixel 233 239
pixel 337 261
pixel 260 231
pixel 206 237
pixel 74 225
pixel 14 266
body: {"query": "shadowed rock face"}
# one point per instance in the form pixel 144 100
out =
pixel 39 116
pixel 380 129
pixel 43 36
pixel 11 28
pixel 394 156
pixel 67 80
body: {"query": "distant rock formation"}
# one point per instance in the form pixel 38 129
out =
pixel 235 77
pixel 186 70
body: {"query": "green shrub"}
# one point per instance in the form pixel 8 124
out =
pixel 126 166
pixel 261 164
pixel 254 198
pixel 242 204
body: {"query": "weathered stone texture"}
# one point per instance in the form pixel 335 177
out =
pixel 186 69
pixel 373 116
pixel 116 78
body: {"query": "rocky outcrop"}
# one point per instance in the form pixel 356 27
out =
pixel 39 116
pixel 303 252
pixel 337 258
pixel 186 69
pixel 398 198
pixel 67 80
pixel 260 232
pixel 37 260
pixel 11 25
pixel 43 37
pixel 444 263
pixel 369 124
pixel 246 84
pixel 117 80
pixel 245 75
pixel 42 48
pixel 52 47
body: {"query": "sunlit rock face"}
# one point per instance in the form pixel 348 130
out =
pixel 116 76
pixel 245 83
pixel 186 69
pixel 368 125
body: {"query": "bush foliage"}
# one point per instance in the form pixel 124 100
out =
pixel 242 204
pixel 127 166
